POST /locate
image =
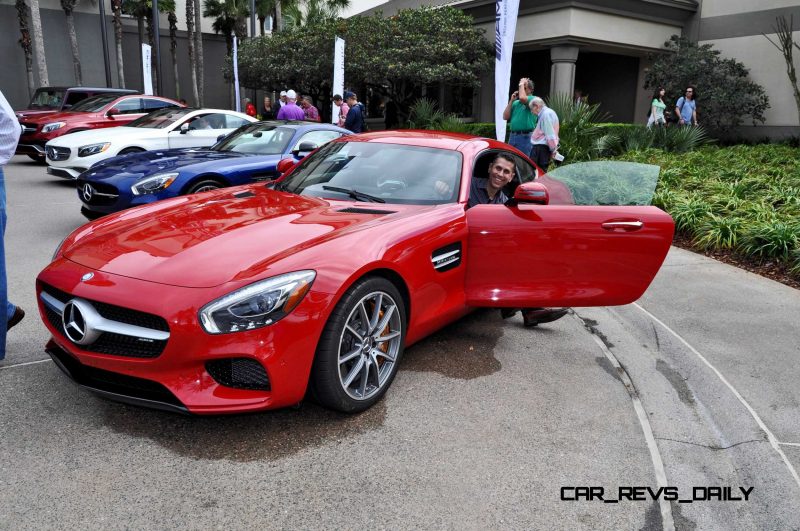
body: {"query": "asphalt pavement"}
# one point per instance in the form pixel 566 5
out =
pixel 692 390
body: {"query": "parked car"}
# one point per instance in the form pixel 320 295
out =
pixel 172 127
pixel 244 299
pixel 50 100
pixel 103 110
pixel 249 154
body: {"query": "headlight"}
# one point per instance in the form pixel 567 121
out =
pixel 53 126
pixel 256 305
pixel 153 184
pixel 93 149
pixel 58 249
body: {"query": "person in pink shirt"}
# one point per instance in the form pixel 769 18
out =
pixel 343 109
pixel 311 112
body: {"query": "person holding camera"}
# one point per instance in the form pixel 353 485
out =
pixel 520 118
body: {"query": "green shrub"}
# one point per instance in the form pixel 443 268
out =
pixel 767 239
pixel 483 129
pixel 579 127
pixel 794 263
pixel 719 232
pixel 690 213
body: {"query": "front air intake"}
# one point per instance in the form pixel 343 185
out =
pixel 239 373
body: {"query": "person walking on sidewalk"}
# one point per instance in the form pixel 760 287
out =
pixel 9 136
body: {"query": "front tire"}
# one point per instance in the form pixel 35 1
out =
pixel 130 150
pixel 205 185
pixel 360 348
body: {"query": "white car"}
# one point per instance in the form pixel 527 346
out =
pixel 69 155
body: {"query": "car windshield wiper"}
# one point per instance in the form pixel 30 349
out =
pixel 355 194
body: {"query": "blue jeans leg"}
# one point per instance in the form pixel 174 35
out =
pixel 521 141
pixel 3 284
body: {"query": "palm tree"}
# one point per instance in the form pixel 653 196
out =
pixel 198 18
pixel 173 47
pixel 230 18
pixel 38 43
pixel 143 11
pixel 302 12
pixel 25 42
pixel 190 37
pixel 116 9
pixel 69 6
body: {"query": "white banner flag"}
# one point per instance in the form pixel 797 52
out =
pixel 236 75
pixel 505 28
pixel 147 70
pixel 338 76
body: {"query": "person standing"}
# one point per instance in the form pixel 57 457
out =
pixel 686 107
pixel 10 131
pixel 355 116
pixel 343 109
pixel 520 119
pixel 249 108
pixel 291 111
pixel 657 107
pixel 545 135
pixel 311 113
pixel 282 99
pixel 267 112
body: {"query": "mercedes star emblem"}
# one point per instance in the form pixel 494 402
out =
pixel 88 191
pixel 77 320
pixel 87 277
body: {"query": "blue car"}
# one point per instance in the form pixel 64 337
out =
pixel 249 154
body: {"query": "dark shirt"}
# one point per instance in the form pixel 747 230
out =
pixel 354 120
pixel 267 114
pixel 478 195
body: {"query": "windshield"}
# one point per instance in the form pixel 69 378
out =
pixel 47 98
pixel 257 139
pixel 95 103
pixel 390 173
pixel 608 182
pixel 161 118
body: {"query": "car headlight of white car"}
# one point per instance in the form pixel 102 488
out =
pixel 257 305
pixel 93 149
pixel 52 126
pixel 153 184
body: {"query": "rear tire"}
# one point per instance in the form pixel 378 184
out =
pixel 206 185
pixel 360 349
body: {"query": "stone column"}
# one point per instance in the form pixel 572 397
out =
pixel 562 74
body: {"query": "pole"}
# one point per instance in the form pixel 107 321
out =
pixel 104 36
pixel 157 47
pixel 253 36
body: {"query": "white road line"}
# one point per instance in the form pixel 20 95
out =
pixel 770 436
pixel 789 444
pixel 668 523
pixel 24 364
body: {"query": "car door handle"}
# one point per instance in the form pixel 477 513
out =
pixel 622 226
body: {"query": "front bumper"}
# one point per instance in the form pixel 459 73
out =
pixel 30 148
pixel 66 173
pixel 179 377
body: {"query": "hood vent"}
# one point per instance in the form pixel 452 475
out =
pixel 357 210
pixel 241 195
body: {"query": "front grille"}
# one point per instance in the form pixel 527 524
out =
pixel 56 153
pixel 101 194
pixel 239 373
pixel 28 128
pixel 110 343
pixel 112 382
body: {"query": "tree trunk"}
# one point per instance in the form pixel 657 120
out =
pixel 73 43
pixel 154 61
pixel 199 44
pixel 173 49
pixel 278 17
pixel 190 41
pixel 116 9
pixel 38 44
pixel 261 22
pixel 25 43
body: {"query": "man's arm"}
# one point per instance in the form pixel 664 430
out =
pixel 678 106
pixel 694 114
pixel 10 129
pixel 507 110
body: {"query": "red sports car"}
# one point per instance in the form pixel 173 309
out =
pixel 103 110
pixel 246 298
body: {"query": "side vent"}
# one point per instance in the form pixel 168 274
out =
pixel 356 210
pixel 447 258
pixel 242 195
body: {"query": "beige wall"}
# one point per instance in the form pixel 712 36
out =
pixel 767 68
pixel 715 8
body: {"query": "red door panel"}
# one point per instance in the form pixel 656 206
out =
pixel 563 255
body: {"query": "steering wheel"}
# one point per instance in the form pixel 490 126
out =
pixel 391 185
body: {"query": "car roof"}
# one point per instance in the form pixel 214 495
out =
pixel 92 89
pixel 414 137
pixel 298 124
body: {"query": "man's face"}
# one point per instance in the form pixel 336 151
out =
pixel 536 108
pixel 352 100
pixel 500 173
pixel 283 98
pixel 304 104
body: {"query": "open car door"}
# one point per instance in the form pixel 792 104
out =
pixel 604 249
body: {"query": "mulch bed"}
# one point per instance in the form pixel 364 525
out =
pixel 776 271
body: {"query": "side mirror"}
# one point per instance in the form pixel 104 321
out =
pixel 184 128
pixel 304 149
pixel 220 137
pixel 531 193
pixel 112 111
pixel 285 165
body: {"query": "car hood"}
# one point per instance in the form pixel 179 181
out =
pixel 238 234
pixel 138 165
pixel 107 134
pixel 62 116
pixel 29 115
